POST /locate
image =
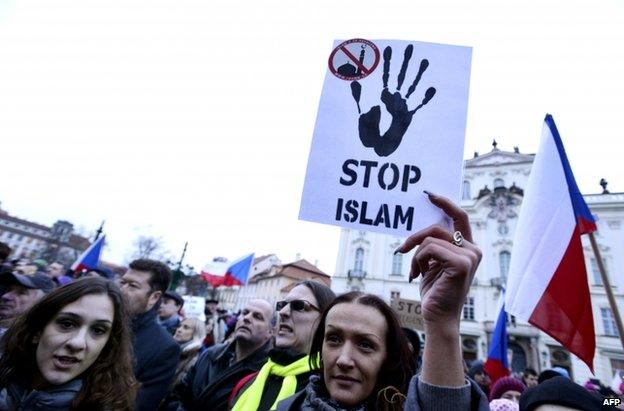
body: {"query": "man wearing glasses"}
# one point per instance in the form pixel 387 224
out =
pixel 209 383
pixel 288 368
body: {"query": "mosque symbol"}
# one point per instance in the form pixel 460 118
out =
pixel 349 70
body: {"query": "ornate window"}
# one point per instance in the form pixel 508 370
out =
pixel 499 183
pixel 359 259
pixel 469 311
pixel 503 228
pixel 597 278
pixel 466 190
pixel 503 259
pixel 397 264
pixel 608 322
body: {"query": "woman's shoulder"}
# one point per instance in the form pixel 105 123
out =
pixel 292 403
pixel 58 398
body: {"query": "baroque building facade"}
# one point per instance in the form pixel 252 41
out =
pixel 492 194
pixel 32 240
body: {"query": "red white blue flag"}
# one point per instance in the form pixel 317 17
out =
pixel 497 364
pixel 235 274
pixel 90 258
pixel 547 283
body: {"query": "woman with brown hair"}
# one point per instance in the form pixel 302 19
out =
pixel 71 350
pixel 365 360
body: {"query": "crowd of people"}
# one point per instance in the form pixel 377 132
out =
pixel 104 343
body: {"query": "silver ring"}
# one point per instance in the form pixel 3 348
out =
pixel 458 239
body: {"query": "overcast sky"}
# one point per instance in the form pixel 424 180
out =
pixel 192 119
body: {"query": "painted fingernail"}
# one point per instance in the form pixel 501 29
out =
pixel 429 193
pixel 398 250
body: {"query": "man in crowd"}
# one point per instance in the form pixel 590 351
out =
pixel 169 311
pixel 156 354
pixel 480 376
pixel 529 377
pixel 22 292
pixel 56 271
pixel 209 383
pixel 215 324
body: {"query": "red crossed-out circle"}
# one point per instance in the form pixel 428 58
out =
pixel 362 69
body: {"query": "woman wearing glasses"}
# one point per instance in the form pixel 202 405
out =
pixel 288 368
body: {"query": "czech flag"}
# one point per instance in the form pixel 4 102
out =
pixel 497 364
pixel 90 258
pixel 547 283
pixel 236 274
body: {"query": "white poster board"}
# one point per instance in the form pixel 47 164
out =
pixel 194 307
pixel 390 124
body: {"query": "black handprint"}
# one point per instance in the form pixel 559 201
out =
pixel 396 105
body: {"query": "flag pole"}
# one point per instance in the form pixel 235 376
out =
pixel 607 287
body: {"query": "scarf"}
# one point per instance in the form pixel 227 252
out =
pixel 315 398
pixel 250 398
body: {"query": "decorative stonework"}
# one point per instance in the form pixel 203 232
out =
pixel 502 242
pixel 503 206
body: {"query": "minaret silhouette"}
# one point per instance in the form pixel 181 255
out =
pixel 359 69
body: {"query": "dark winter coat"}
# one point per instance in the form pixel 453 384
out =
pixel 156 357
pixel 207 386
pixel 17 397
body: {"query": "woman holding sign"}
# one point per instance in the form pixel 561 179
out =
pixel 447 262
pixel 364 360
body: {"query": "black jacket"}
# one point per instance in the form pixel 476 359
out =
pixel 209 383
pixel 17 396
pixel 156 357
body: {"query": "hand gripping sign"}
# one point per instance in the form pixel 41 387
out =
pixel 390 124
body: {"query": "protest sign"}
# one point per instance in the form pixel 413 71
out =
pixel 409 313
pixel 194 307
pixel 391 123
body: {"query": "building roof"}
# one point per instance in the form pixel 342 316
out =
pixel 498 157
pixel 298 270
pixel 257 260
pixel 305 265
pixel 11 218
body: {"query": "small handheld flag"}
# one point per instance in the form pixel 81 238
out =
pixel 236 274
pixel 90 258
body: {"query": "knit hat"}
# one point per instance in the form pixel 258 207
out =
pixel 502 404
pixel 546 375
pixel 560 391
pixel 505 384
